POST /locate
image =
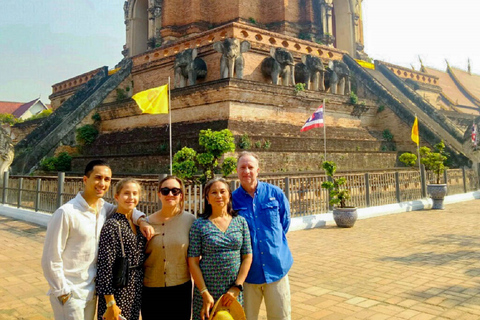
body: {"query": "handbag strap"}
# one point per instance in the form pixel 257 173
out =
pixel 121 240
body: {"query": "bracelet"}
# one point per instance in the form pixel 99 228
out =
pixel 203 290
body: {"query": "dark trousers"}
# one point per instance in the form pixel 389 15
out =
pixel 167 302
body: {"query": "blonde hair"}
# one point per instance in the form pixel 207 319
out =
pixel 182 188
pixel 119 186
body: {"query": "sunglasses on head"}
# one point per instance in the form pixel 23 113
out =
pixel 166 191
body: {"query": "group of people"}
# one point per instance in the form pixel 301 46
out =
pixel 235 251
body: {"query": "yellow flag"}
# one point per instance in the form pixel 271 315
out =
pixel 415 137
pixel 153 101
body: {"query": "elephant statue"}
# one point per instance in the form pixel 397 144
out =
pixel 188 67
pixel 232 60
pixel 311 69
pixel 279 65
pixel 337 77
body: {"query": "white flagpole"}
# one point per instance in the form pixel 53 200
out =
pixel 324 133
pixel 170 123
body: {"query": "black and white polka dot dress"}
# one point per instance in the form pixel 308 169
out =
pixel 128 299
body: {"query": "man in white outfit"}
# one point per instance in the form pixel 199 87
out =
pixel 70 250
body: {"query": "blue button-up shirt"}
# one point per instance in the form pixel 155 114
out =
pixel 268 218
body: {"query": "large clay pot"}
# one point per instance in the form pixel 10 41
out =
pixel 345 217
pixel 437 192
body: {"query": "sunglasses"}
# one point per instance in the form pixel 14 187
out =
pixel 166 191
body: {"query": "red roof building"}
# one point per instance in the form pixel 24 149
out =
pixel 23 110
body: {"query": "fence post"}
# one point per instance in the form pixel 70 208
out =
pixel 464 180
pixel 397 186
pixel 287 188
pixel 5 187
pixel 37 194
pixel 445 177
pixel 19 196
pixel 61 184
pixel 423 178
pixel 367 189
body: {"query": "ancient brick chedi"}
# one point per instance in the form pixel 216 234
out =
pixel 234 64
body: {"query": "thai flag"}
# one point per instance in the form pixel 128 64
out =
pixel 474 134
pixel 315 120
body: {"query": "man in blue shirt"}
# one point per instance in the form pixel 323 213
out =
pixel 267 211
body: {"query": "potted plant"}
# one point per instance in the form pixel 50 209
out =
pixel 343 215
pixel 435 162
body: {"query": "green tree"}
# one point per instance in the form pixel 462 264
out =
pixel 184 165
pixel 338 195
pixel 187 162
pixel 7 118
pixel 45 113
pixel 434 161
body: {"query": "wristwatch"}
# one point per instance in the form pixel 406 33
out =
pixel 239 286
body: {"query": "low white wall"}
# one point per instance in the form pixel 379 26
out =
pixel 325 219
pixel 297 223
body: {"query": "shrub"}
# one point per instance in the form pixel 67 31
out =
pixel 61 163
pixel 299 87
pixel 7 118
pixel 244 142
pixel 434 161
pixel 267 144
pixel 338 195
pixel 409 159
pixel 45 113
pixel 387 135
pixel 87 134
pixel 353 98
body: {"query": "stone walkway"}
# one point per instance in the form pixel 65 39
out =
pixel 414 265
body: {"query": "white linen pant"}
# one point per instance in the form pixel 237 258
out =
pixel 74 309
pixel 277 299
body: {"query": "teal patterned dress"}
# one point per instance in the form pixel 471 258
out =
pixel 221 256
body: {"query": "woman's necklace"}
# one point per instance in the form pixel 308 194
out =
pixel 222 222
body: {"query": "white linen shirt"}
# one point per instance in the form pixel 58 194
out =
pixel 69 259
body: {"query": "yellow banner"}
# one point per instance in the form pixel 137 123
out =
pixel 415 136
pixel 153 101
pixel 366 64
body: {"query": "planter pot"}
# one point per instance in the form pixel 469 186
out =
pixel 437 192
pixel 345 217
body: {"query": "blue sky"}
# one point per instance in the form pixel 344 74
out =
pixel 45 42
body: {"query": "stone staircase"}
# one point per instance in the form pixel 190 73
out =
pixel 406 103
pixel 62 123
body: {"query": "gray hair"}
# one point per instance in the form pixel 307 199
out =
pixel 248 153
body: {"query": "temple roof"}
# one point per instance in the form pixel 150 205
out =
pixel 469 82
pixel 450 89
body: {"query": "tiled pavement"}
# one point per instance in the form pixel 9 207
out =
pixel 414 265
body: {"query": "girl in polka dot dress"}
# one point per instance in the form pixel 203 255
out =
pixel 126 301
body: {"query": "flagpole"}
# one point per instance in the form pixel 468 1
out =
pixel 324 132
pixel 170 123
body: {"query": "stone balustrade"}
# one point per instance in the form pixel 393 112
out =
pixel 406 73
pixel 74 82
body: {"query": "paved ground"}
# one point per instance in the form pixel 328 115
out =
pixel 415 265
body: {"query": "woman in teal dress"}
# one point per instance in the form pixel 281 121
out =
pixel 220 252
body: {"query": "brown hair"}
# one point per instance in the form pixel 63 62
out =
pixel 119 186
pixel 182 188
